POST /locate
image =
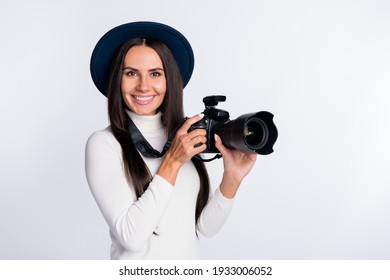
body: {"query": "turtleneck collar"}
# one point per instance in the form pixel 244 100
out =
pixel 146 123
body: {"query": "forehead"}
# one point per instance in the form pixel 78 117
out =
pixel 142 56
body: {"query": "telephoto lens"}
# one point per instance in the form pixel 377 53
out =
pixel 253 132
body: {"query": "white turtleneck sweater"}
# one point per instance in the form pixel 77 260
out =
pixel 161 223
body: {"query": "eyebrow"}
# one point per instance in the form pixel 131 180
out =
pixel 150 70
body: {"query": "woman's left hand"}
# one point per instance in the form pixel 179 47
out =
pixel 236 165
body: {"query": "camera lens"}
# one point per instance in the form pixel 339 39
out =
pixel 256 133
pixel 252 132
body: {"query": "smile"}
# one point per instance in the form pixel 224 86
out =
pixel 143 100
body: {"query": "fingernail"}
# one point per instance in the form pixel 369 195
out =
pixel 201 115
pixel 216 137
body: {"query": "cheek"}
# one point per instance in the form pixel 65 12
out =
pixel 126 85
pixel 125 90
pixel 161 87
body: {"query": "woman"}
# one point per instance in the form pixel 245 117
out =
pixel 154 203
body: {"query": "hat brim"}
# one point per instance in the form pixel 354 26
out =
pixel 107 46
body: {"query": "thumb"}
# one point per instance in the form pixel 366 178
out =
pixel 218 144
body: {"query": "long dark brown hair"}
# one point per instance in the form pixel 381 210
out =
pixel 137 173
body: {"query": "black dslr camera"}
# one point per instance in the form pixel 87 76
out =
pixel 252 132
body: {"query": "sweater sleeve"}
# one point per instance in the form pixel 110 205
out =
pixel 215 214
pixel 131 220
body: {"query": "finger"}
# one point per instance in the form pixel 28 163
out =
pixel 192 149
pixel 200 148
pixel 197 132
pixel 219 145
pixel 198 140
pixel 187 124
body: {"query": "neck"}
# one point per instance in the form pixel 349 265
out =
pixel 146 123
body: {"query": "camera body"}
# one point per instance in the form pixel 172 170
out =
pixel 251 133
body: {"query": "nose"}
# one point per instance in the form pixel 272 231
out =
pixel 143 84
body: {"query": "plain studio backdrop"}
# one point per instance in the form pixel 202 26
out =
pixel 321 67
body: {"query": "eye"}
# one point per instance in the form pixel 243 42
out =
pixel 155 74
pixel 131 73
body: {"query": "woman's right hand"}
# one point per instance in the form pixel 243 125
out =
pixel 184 146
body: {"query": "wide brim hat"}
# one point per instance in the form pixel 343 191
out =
pixel 108 45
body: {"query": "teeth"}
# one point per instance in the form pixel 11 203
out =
pixel 146 98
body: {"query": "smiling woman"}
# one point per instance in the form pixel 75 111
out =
pixel 154 205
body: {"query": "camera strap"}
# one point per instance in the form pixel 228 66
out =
pixel 143 146
pixel 217 156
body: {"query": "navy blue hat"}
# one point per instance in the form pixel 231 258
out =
pixel 107 46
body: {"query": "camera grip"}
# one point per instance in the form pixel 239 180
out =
pixel 198 125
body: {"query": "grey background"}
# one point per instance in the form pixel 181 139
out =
pixel 322 67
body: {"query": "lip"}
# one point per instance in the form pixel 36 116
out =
pixel 143 99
